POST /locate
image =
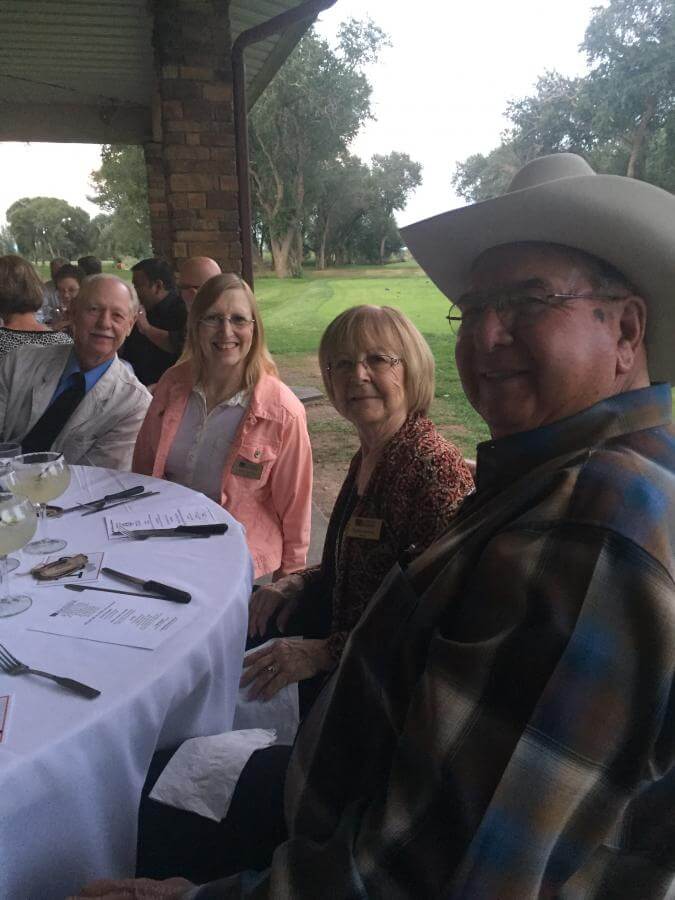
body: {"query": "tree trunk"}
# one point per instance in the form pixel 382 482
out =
pixel 321 253
pixel 382 242
pixel 639 135
pixel 281 247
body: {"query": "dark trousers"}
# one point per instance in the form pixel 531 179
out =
pixel 174 842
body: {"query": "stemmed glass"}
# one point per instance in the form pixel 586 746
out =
pixel 41 477
pixel 17 527
pixel 8 451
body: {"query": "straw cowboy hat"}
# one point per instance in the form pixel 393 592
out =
pixel 559 199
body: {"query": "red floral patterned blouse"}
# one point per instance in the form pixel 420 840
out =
pixel 413 493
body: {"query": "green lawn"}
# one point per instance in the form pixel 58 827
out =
pixel 296 311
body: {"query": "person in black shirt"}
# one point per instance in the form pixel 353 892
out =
pixel 164 308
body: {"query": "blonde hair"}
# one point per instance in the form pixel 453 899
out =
pixel 258 361
pixel 365 328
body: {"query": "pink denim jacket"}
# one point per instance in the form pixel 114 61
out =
pixel 274 508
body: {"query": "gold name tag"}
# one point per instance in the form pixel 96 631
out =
pixel 367 529
pixel 244 468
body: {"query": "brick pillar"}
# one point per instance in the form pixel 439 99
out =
pixel 192 170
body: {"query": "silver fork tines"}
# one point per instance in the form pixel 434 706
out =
pixel 12 666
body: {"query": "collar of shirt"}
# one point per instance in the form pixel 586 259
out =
pixel 90 377
pixel 241 398
pixel 502 461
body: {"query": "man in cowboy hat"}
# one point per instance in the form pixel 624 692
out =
pixel 501 724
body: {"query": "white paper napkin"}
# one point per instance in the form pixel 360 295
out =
pixel 204 771
pixel 281 712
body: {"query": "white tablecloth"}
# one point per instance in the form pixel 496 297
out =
pixel 71 769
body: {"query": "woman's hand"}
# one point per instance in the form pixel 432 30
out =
pixel 280 597
pixel 285 661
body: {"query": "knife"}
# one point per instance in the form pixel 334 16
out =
pixel 91 587
pixel 192 531
pixel 157 587
pixel 90 512
pixel 129 492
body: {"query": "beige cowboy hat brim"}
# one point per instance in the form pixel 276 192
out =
pixel 628 223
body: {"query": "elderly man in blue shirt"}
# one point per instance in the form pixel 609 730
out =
pixel 80 400
pixel 501 723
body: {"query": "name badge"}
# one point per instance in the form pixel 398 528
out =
pixel 366 529
pixel 244 468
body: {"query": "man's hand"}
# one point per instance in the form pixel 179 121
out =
pixel 285 661
pixel 141 321
pixel 280 597
pixel 136 889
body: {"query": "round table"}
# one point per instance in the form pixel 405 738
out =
pixel 71 769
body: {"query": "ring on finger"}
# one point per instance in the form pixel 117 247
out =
pixel 272 669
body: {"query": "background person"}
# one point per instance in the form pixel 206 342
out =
pixel 50 303
pixel 192 274
pixel 402 490
pixel 90 265
pixel 163 307
pixel 21 299
pixel 224 424
pixel 80 400
pixel 68 281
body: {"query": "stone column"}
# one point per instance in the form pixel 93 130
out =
pixel 191 167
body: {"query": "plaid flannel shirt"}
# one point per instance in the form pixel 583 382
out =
pixel 502 723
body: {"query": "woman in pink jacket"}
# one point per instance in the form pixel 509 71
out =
pixel 221 422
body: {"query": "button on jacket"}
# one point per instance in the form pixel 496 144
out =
pixel 271 447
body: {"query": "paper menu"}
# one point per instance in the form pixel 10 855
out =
pixel 168 518
pixel 131 622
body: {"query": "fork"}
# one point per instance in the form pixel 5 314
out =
pixel 11 665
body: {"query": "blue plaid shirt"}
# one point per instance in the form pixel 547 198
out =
pixel 502 723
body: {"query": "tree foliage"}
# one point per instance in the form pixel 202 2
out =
pixel 122 191
pixel 302 122
pixel 621 116
pixel 45 227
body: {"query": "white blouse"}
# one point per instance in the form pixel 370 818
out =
pixel 203 440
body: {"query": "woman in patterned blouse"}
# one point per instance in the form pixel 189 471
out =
pixel 21 297
pixel 403 487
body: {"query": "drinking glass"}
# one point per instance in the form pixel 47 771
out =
pixel 41 477
pixel 8 451
pixel 17 527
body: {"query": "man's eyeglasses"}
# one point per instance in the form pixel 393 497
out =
pixel 514 311
pixel 373 362
pixel 216 320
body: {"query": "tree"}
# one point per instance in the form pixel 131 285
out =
pixel 7 242
pixel 394 177
pixel 305 118
pixel 343 198
pixel 45 227
pixel 631 46
pixel 122 191
pixel 621 116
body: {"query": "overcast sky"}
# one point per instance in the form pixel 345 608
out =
pixel 439 92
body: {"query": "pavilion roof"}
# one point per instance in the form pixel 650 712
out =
pixel 82 70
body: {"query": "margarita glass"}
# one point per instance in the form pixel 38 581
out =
pixel 17 527
pixel 8 451
pixel 41 477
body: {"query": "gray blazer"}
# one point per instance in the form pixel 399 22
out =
pixel 102 430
